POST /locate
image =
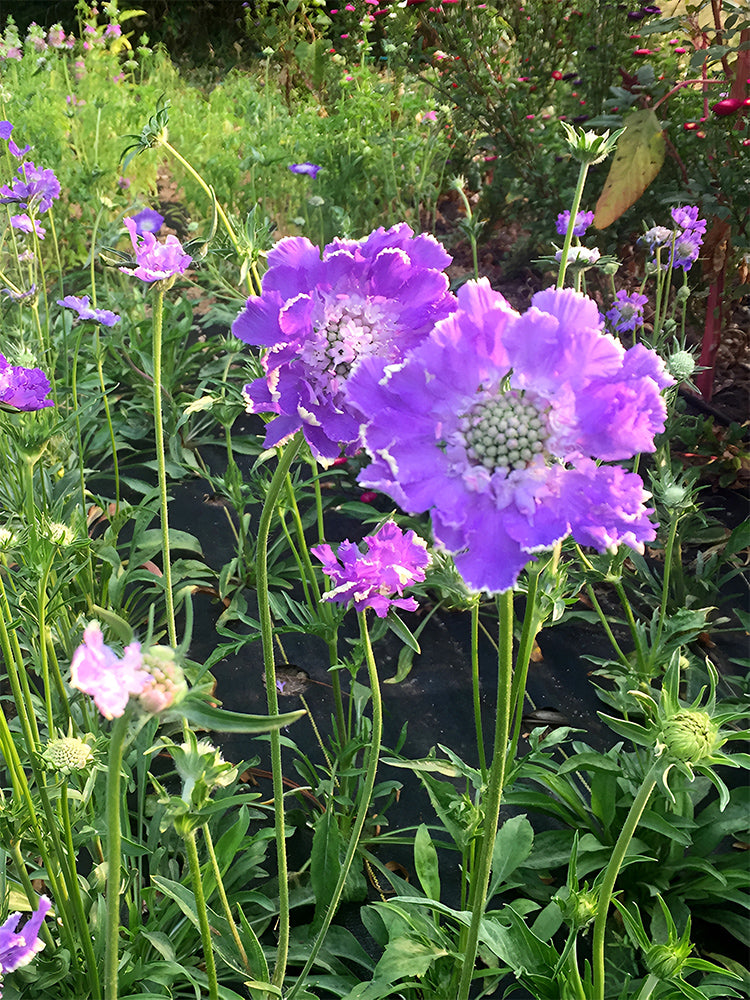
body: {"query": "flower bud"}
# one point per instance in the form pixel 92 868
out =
pixel 167 686
pixel 665 961
pixel 729 106
pixel 690 736
pixel 681 365
pixel 67 754
pixel 578 907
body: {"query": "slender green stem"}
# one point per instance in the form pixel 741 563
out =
pixel 668 555
pixel 286 458
pixel 92 968
pixel 364 802
pixel 480 877
pixel 611 872
pixel 584 169
pixel 158 319
pixel 532 620
pixel 475 686
pixel 625 662
pixel 223 897
pixel 200 909
pixel 113 855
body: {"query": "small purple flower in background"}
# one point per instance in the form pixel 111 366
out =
pixel 33 184
pixel 27 225
pixel 583 221
pixel 18 296
pixel 97 671
pixel 148 220
pixel 393 560
pixel 23 388
pixel 18 948
pixel 687 248
pixel 657 236
pixel 627 311
pixel 320 316
pixel 305 168
pixel 155 261
pixel 83 308
pixel 5 129
pixel 493 424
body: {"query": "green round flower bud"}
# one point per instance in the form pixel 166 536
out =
pixel 168 685
pixel 578 907
pixel 681 365
pixel 67 754
pixel 666 961
pixel 690 736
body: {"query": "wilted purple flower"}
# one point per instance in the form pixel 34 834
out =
pixel 657 236
pixel 27 225
pixel 393 560
pixel 23 388
pixel 305 168
pixel 320 316
pixel 627 311
pixel 18 948
pixel 583 221
pixel 35 184
pixel 83 308
pixel 580 256
pixel 155 261
pixel 18 296
pixel 493 424
pixel 148 221
pixel 97 671
pixel 16 151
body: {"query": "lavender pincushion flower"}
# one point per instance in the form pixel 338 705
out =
pixel 627 311
pixel 18 948
pixel 494 422
pixel 148 220
pixel 155 261
pixel 319 316
pixel 393 560
pixel 97 671
pixel 23 388
pixel 582 223
pixel 305 168
pixel 82 306
pixel 33 185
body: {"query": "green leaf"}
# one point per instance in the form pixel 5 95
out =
pixel 405 957
pixel 402 631
pixel 513 844
pixel 403 668
pixel 203 715
pixel 638 159
pixel 325 863
pixel 426 862
pixel 162 943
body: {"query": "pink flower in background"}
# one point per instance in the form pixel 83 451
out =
pixel 110 680
pixel 393 560
pixel 155 261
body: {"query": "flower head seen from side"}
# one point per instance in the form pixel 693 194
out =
pixel 155 261
pixel 34 186
pixel 148 220
pixel 27 225
pixel 582 223
pixel 18 948
pixel 394 560
pixel 319 315
pixel 627 311
pixel 81 306
pixel 305 168
pixel 496 422
pixel 23 388
pixel 110 680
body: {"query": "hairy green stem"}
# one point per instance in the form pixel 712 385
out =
pixel 200 909
pixel 364 802
pixel 582 173
pixel 223 897
pixel 611 872
pixel 278 479
pixel 475 686
pixel 113 856
pixel 480 877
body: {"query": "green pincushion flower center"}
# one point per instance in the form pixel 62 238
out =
pixel 68 754
pixel 503 432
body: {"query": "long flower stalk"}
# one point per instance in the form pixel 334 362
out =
pixel 273 492
pixel 158 320
pixel 113 856
pixel 480 877
pixel 582 173
pixel 200 908
pixel 364 802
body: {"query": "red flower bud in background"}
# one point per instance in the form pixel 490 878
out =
pixel 729 106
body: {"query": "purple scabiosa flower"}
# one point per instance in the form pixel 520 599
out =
pixel 155 261
pixel 319 316
pixel 494 424
pixel 657 236
pixel 5 129
pixel 370 579
pixel 83 308
pixel 23 388
pixel 627 311
pixel 687 248
pixel 18 948
pixel 583 221
pixel 580 256
pixel 32 184
pixel 97 671
pixel 148 220
pixel 686 217
pixel 27 225
pixel 305 168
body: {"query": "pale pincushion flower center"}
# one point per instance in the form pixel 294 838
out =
pixel 503 432
pixel 352 328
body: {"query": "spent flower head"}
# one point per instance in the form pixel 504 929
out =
pixel 370 579
pixel 68 754
pixel 498 422
pixel 587 146
pixel 319 316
